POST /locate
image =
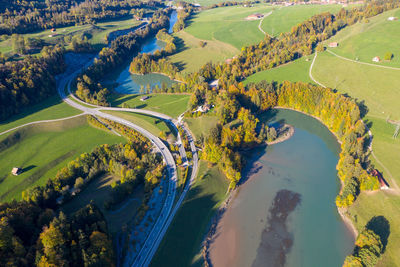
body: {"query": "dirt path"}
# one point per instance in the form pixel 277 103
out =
pixel 359 62
pixel 261 20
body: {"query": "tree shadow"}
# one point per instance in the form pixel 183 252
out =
pixel 30 167
pixel 381 226
pixel 180 65
pixel 180 44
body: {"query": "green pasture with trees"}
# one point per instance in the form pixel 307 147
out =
pixel 42 149
pixel 376 36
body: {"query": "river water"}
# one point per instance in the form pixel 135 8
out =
pixel 131 83
pixel 284 214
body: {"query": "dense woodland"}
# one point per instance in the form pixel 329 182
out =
pixel 29 81
pixel 28 16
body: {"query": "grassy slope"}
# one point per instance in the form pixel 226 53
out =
pixel 150 123
pixel 283 19
pixel 228 25
pixel 202 125
pixel 51 108
pixel 367 40
pixel 293 71
pixel 379 89
pixel 191 56
pixel 182 243
pixel 45 149
pixel 169 104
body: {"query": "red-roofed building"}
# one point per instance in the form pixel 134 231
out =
pixel 382 182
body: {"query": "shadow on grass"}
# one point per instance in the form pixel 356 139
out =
pixel 185 235
pixel 30 167
pixel 381 226
pixel 53 100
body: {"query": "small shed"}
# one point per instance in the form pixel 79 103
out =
pixel 392 18
pixel 16 171
pixel 53 30
pixel 144 98
pixel 254 16
pixel 333 44
pixel 376 59
pixel 214 84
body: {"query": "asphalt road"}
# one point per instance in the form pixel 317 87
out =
pixel 168 211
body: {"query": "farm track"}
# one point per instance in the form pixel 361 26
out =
pixel 394 187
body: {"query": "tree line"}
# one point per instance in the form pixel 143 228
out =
pixel 89 89
pixel 28 16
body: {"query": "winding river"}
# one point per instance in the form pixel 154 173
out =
pixel 129 83
pixel 284 214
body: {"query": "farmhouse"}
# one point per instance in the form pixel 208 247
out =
pixel 382 182
pixel 254 16
pixel 334 44
pixel 214 84
pixel 376 59
pixel 16 171
pixel 144 98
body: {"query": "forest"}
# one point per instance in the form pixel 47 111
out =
pixel 28 16
pixel 29 81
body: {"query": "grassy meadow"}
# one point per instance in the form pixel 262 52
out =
pixel 293 71
pixel 364 41
pixel 191 56
pixel 49 109
pixel 283 19
pixel 191 222
pixel 152 124
pixel 169 104
pixel 228 25
pixel 42 149
pixel 201 125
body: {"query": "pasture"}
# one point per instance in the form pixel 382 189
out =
pixel 49 109
pixel 228 25
pixel 363 41
pixel 42 149
pixel 169 104
pixel 293 71
pixel 152 124
pixel 283 19
pixel 201 125
pixel 191 55
pixel 191 222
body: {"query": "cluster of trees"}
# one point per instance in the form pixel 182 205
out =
pixel 183 14
pixel 31 235
pixel 368 249
pixel 28 16
pixel 111 57
pixel 144 63
pixel 31 80
pixel 169 40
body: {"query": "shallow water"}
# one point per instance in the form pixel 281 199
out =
pixel 285 213
pixel 131 83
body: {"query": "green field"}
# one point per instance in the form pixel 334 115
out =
pixel 181 245
pixel 228 25
pixel 283 19
pixel 49 109
pixel 42 150
pixel 95 33
pixel 169 104
pixel 294 71
pixel 367 40
pixel 191 56
pixel 152 124
pixel 201 125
